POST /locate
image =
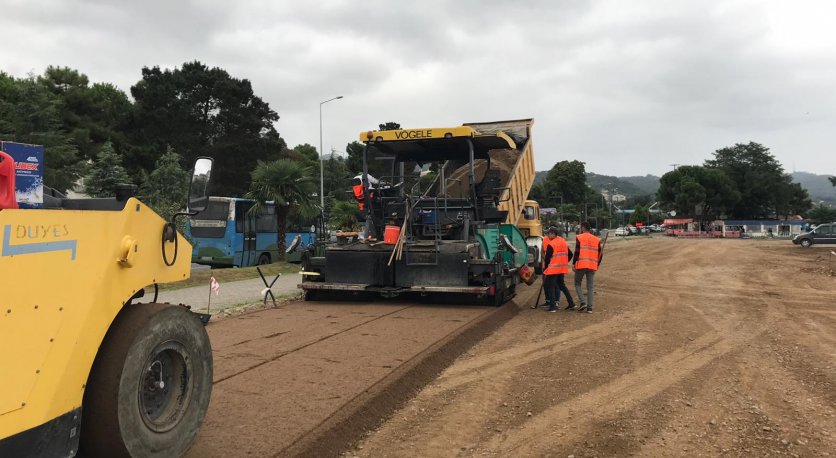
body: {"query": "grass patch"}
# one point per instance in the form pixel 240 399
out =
pixel 201 277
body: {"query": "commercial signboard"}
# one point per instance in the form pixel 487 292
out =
pixel 29 176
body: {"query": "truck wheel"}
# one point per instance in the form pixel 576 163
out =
pixel 264 259
pixel 806 243
pixel 150 384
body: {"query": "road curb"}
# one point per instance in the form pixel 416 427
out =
pixel 370 409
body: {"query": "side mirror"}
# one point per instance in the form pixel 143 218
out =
pixel 199 186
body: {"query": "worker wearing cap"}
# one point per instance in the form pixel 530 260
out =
pixel 556 265
pixel 588 255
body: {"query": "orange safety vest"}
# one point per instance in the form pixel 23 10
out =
pixel 588 256
pixel 559 262
pixel 358 194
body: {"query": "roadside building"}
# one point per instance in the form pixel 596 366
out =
pixel 761 228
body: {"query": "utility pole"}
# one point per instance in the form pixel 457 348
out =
pixel 322 160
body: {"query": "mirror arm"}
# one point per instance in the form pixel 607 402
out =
pixel 170 229
pixel 186 213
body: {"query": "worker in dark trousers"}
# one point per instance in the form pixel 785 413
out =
pixel 588 255
pixel 556 265
pixel 561 277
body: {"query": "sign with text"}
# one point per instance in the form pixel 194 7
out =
pixel 29 176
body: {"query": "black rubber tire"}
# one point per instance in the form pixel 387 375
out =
pixel 264 259
pixel 112 422
pixel 806 243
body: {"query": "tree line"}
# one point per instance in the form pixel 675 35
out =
pixel 743 181
pixel 97 132
pixel 103 135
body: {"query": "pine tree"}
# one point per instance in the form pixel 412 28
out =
pixel 105 174
pixel 166 187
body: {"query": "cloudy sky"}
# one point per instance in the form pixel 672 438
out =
pixel 629 87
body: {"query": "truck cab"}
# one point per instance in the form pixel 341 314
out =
pixel 532 229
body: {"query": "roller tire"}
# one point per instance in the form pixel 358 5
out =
pixel 113 422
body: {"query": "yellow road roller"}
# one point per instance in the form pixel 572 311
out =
pixel 90 365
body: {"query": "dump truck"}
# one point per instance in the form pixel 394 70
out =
pixel 441 221
pixel 88 364
pixel 522 212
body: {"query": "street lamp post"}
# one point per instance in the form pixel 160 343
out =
pixel 322 161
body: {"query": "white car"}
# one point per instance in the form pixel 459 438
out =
pixel 621 232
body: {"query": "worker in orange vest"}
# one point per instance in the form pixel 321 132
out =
pixel 357 189
pixel 588 255
pixel 359 195
pixel 556 259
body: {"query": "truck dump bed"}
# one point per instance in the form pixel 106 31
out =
pixel 515 165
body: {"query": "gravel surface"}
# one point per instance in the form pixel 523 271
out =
pixel 304 378
pixel 696 348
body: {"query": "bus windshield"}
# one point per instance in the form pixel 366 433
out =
pixel 211 222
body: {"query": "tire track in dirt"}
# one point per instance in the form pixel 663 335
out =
pixel 726 293
pixel 502 362
pixel 303 346
pixel 623 393
pixel 701 320
pixel 494 372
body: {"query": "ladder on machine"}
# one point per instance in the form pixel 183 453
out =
pixel 436 240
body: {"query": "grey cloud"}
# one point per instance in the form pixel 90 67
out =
pixel 627 87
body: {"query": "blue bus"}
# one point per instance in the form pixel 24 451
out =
pixel 228 234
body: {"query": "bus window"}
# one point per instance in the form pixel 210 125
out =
pixel 212 221
pixel 241 209
pixel 266 219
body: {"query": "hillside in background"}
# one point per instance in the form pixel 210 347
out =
pixel 818 186
pixel 648 184
pixel 629 186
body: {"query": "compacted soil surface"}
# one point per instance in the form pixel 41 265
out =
pixel 695 348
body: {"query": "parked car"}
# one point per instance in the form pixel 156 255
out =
pixel 621 232
pixel 823 233
pixel 633 230
pixel 655 228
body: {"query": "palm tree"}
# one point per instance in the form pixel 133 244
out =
pixel 285 182
pixel 344 215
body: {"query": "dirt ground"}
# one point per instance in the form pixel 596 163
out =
pixel 309 378
pixel 695 348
